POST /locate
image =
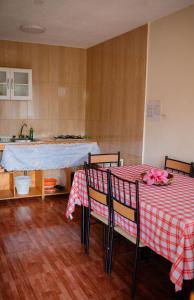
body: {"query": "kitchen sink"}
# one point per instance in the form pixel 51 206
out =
pixel 4 140
pixel 21 140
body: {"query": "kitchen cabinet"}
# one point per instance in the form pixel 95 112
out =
pixel 8 188
pixel 5 83
pixel 15 84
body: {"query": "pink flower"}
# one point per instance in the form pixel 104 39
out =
pixel 156 176
pixel 149 178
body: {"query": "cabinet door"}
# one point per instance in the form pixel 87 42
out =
pixel 21 84
pixel 4 84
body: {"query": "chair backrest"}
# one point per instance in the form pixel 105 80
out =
pixel 124 199
pixel 178 166
pixel 104 159
pixel 98 184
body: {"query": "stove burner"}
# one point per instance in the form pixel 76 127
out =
pixel 69 137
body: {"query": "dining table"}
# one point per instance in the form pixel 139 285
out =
pixel 166 217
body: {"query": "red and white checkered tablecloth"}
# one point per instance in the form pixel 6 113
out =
pixel 166 217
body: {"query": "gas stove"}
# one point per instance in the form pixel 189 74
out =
pixel 69 137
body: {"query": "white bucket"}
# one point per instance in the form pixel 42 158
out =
pixel 22 184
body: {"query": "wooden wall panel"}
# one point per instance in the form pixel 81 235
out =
pixel 116 73
pixel 52 67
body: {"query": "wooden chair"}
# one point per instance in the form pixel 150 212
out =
pixel 124 201
pixel 178 166
pixel 98 188
pixel 98 160
pixel 104 159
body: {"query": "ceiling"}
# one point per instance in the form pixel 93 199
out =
pixel 80 23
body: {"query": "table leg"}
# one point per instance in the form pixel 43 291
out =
pixel 68 179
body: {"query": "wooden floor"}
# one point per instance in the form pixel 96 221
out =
pixel 41 258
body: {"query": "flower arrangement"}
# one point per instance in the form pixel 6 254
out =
pixel 157 177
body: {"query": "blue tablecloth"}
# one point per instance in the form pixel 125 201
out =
pixel 46 156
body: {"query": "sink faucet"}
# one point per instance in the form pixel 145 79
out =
pixel 21 130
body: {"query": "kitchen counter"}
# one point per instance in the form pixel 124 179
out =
pixel 47 155
pixel 47 141
pixel 39 157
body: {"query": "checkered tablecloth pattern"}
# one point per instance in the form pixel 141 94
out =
pixel 166 217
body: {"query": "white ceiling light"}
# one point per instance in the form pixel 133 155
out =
pixel 32 28
pixel 39 2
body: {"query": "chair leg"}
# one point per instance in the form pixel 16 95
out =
pixel 106 246
pixel 83 224
pixel 87 233
pixel 107 251
pixel 133 288
pixel 105 243
pixel 104 236
pixel 110 249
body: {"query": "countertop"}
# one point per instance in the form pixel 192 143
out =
pixel 48 141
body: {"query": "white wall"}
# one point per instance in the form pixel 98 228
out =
pixel 170 79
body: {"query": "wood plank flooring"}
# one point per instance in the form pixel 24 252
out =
pixel 41 258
